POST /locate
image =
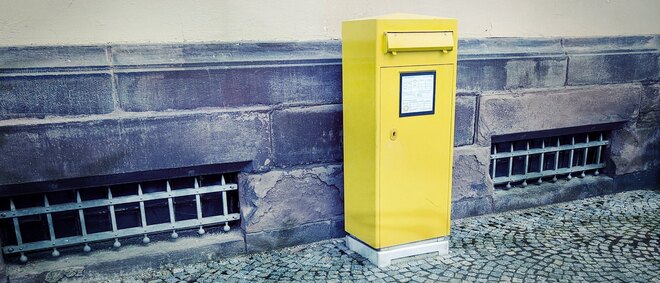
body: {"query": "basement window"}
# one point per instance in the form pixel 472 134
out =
pixel 520 162
pixel 111 214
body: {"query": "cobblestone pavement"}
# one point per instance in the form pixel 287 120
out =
pixel 603 239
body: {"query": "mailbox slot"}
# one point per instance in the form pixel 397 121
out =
pixel 419 41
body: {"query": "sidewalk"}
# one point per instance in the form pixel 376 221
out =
pixel 603 239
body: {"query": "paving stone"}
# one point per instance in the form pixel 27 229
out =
pixel 600 239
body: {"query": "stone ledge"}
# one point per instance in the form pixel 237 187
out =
pixel 649 178
pixel 469 207
pixel 70 149
pixel 131 258
pixel 547 193
pixel 613 44
pixel 307 233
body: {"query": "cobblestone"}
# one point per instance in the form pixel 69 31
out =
pixel 602 239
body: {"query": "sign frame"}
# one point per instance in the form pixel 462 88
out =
pixel 410 74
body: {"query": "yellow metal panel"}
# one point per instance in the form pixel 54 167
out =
pixel 372 214
pixel 415 175
pixel 419 41
pixel 359 113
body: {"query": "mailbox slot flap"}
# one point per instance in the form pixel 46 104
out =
pixel 419 41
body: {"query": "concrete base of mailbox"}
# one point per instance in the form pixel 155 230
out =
pixel 384 257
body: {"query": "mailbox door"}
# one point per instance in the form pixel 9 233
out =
pixel 415 153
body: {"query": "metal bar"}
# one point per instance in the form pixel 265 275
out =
pixel 49 219
pixel 143 215
pixel 554 178
pixel 51 229
pixel 19 248
pixel 83 224
pixel 68 241
pixel 600 147
pixel 494 160
pixel 17 226
pixel 115 201
pixel 584 159
pixel 112 211
pixel 532 175
pixel 524 183
pixel 170 203
pixel 542 164
pixel 170 206
pixel 81 215
pixel 225 209
pixel 510 166
pixel 198 203
pixel 570 164
pixel 548 149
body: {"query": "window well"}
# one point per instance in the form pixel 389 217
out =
pixel 91 216
pixel 520 162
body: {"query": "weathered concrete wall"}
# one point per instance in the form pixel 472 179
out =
pixel 275 109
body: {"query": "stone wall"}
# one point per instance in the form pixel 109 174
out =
pixel 273 111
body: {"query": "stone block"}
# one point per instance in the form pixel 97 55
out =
pixel 510 63
pixel 280 199
pixel 304 135
pixel 46 95
pixel 52 58
pixel 469 207
pixel 511 73
pixel 465 118
pixel 529 111
pixel 548 192
pixel 647 179
pixel 632 150
pixel 58 150
pixel 611 44
pixel 229 87
pixel 649 112
pixel 606 60
pixel 481 74
pixel 470 173
pixel 101 263
pixel 586 69
pixel 307 233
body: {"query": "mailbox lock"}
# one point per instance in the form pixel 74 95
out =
pixel 393 134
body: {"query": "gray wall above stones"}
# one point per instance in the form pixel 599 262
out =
pixel 274 111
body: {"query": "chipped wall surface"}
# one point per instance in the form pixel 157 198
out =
pixel 273 111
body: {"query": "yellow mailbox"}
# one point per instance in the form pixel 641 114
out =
pixel 399 89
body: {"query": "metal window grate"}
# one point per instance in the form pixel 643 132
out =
pixel 66 218
pixel 516 162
